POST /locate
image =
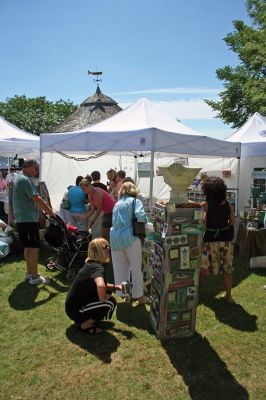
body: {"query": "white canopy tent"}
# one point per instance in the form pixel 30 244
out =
pixel 141 128
pixel 14 141
pixel 252 136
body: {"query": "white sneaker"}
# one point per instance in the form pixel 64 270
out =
pixel 40 279
pixel 27 276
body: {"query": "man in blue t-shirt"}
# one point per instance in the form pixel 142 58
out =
pixel 26 204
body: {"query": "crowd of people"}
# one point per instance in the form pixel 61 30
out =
pixel 90 296
pixel 7 176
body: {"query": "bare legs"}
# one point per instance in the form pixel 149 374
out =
pixel 31 256
pixel 228 287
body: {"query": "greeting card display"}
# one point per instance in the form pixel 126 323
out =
pixel 175 263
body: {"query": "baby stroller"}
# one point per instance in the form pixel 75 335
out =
pixel 70 246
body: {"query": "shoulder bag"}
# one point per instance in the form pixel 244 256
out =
pixel 138 227
pixel 65 203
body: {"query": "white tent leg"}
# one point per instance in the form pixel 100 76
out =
pixel 238 181
pixel 151 181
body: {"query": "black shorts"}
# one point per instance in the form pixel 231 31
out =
pixel 107 220
pixel 29 234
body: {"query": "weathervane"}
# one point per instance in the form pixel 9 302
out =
pixel 97 74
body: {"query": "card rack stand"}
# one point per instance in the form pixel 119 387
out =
pixel 147 252
pixel 175 262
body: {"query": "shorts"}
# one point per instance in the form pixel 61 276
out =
pixel 107 220
pixel 29 234
pixel 217 258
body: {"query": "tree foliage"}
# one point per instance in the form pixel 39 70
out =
pixel 36 115
pixel 245 85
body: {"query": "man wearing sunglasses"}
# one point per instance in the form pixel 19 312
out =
pixel 26 205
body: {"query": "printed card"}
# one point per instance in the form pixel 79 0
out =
pixel 198 215
pixel 174 254
pixel 191 291
pixel 186 316
pixel 184 257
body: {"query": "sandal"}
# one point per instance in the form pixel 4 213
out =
pixel 143 300
pixel 92 330
pixel 128 299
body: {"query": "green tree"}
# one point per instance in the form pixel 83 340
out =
pixel 245 85
pixel 36 115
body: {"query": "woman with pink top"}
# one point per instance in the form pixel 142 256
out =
pixel 100 202
pixel 3 184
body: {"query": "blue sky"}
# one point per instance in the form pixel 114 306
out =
pixel 165 50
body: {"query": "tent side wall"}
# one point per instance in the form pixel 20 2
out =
pixel 60 172
pixel 247 165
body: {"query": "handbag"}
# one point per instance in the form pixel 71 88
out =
pixel 65 203
pixel 138 227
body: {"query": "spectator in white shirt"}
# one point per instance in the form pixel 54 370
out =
pixel 12 175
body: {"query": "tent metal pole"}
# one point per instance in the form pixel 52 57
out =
pixel 136 178
pixel 237 202
pixel 40 161
pixel 151 181
pixel 238 181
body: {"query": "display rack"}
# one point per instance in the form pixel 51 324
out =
pixel 175 262
pixel 231 194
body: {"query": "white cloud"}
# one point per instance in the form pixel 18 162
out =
pixel 177 90
pixel 183 109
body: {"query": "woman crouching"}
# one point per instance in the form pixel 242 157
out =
pixel 88 301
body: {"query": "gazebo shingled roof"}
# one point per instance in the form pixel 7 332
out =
pixel 94 109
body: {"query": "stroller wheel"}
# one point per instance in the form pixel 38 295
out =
pixel 70 274
pixel 51 264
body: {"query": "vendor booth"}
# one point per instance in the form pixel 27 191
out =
pixel 251 236
pixel 173 252
pixel 252 136
pixel 16 143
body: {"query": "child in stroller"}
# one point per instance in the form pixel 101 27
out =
pixel 70 246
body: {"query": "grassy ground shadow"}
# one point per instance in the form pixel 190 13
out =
pixel 203 371
pixel 103 345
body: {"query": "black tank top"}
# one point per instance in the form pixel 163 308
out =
pixel 217 223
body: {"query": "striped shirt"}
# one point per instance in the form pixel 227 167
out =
pixel 121 234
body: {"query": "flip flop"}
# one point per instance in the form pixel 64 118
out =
pixel 231 301
pixel 92 330
pixel 128 299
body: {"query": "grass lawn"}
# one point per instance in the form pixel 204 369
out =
pixel 43 356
